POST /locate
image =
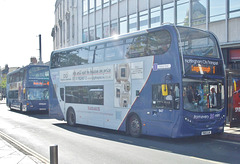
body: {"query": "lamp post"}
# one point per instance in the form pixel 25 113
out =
pixel 40 49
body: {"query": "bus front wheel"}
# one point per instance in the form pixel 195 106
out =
pixel 134 126
pixel 71 117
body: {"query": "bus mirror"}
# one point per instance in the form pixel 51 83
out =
pixel 164 90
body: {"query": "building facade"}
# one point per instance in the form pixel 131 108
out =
pixel 79 21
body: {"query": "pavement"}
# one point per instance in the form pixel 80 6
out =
pixel 11 155
pixel 13 152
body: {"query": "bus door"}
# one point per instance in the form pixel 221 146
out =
pixel 234 106
pixel 165 102
pixel 62 97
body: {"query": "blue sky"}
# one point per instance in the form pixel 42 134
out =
pixel 21 23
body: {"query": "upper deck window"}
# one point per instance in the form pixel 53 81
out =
pixel 159 42
pixel 38 73
pixel 197 43
pixel 153 43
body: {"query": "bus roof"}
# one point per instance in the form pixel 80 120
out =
pixel 116 37
pixel 27 66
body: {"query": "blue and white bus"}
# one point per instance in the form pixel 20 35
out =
pixel 27 88
pixel 153 82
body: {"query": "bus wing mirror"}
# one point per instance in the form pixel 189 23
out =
pixel 164 90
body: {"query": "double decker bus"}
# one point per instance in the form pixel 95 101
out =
pixel 27 88
pixel 166 81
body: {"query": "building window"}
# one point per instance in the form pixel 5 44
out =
pixel 106 31
pixel 72 3
pixel 85 35
pixel 143 20
pixel 91 6
pixel 63 6
pixel 67 4
pixel 199 8
pixel 217 10
pixel 234 8
pixel 85 7
pixel 168 13
pixel 68 29
pixel 155 17
pixel 73 26
pixel 132 22
pixel 114 27
pixel 113 1
pixel 99 31
pixel 105 3
pixel 64 32
pixel 123 25
pixel 98 4
pixel 183 12
pixel 91 33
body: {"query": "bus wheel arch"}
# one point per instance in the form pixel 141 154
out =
pixel 71 117
pixel 134 125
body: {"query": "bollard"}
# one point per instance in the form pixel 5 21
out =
pixel 54 154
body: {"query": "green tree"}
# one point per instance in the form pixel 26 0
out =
pixel 3 82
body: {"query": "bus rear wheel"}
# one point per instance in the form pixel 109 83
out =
pixel 71 117
pixel 134 126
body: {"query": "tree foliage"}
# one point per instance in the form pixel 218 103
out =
pixel 3 82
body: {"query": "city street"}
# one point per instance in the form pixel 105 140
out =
pixel 84 144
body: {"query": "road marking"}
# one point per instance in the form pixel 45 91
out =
pixel 125 140
pixel 231 142
pixel 24 148
pixel 205 160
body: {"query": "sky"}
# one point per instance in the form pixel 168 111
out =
pixel 21 22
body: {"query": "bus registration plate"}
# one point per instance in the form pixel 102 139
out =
pixel 206 132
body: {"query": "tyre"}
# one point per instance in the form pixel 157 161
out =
pixel 134 126
pixel 71 117
pixel 10 108
pixel 21 108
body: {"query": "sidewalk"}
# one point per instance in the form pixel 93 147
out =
pixel 10 155
pixel 231 134
pixel 3 101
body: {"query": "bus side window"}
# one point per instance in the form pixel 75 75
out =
pixel 136 47
pixel 62 93
pixel 159 42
